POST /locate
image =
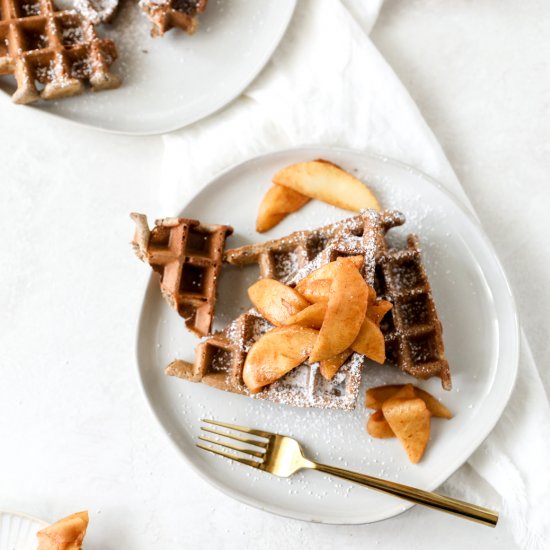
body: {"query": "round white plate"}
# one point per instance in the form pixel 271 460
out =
pixel 175 80
pixel 18 531
pixel 480 331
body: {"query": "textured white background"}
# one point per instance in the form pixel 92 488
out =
pixel 74 428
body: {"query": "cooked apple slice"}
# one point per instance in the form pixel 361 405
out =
pixel 377 426
pixel 276 301
pixel 376 396
pixel 377 310
pixel 435 406
pixel 312 316
pixel 277 352
pixel 67 533
pixel 327 182
pixel 409 420
pixel 346 307
pixel 370 341
pixel 316 290
pixel 329 367
pixel 276 205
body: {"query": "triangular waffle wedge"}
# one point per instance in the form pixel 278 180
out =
pixel 166 14
pixel 52 53
pixel 219 361
pixel 188 256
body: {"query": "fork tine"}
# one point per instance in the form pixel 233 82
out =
pixel 238 448
pixel 252 463
pixel 244 429
pixel 246 440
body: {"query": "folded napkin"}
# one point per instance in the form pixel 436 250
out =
pixel 339 91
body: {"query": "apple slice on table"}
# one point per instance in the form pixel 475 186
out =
pixel 277 352
pixel 346 308
pixel 327 182
pixel 312 316
pixel 277 204
pixel 276 301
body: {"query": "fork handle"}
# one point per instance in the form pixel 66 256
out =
pixel 418 496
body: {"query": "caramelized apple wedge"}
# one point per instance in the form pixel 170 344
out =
pixel 312 316
pixel 377 310
pixel 329 367
pixel 277 204
pixel 370 341
pixel 377 426
pixel 277 352
pixel 376 396
pixel 409 420
pixel 316 290
pixel 276 301
pixel 66 534
pixel 316 285
pixel 346 308
pixel 327 182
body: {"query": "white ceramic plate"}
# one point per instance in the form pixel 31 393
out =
pixel 173 81
pixel 18 531
pixel 480 330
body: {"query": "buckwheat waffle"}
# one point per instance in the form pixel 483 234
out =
pixel 219 361
pixel 289 259
pixel 166 14
pixel 187 255
pixel 52 53
pixel 412 329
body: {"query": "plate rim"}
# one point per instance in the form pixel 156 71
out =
pixel 463 458
pixel 169 128
pixel 18 514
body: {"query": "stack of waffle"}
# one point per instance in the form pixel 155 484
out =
pixel 412 332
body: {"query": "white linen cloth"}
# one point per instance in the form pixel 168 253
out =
pixel 327 84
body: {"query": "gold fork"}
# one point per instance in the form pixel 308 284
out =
pixel 283 456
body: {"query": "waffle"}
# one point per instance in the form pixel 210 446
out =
pixel 289 259
pixel 166 14
pixel 412 329
pixel 52 53
pixel 187 255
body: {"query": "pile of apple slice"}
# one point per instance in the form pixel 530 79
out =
pixel 404 411
pixel 296 184
pixel 328 315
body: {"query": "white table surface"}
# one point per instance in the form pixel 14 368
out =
pixel 76 432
